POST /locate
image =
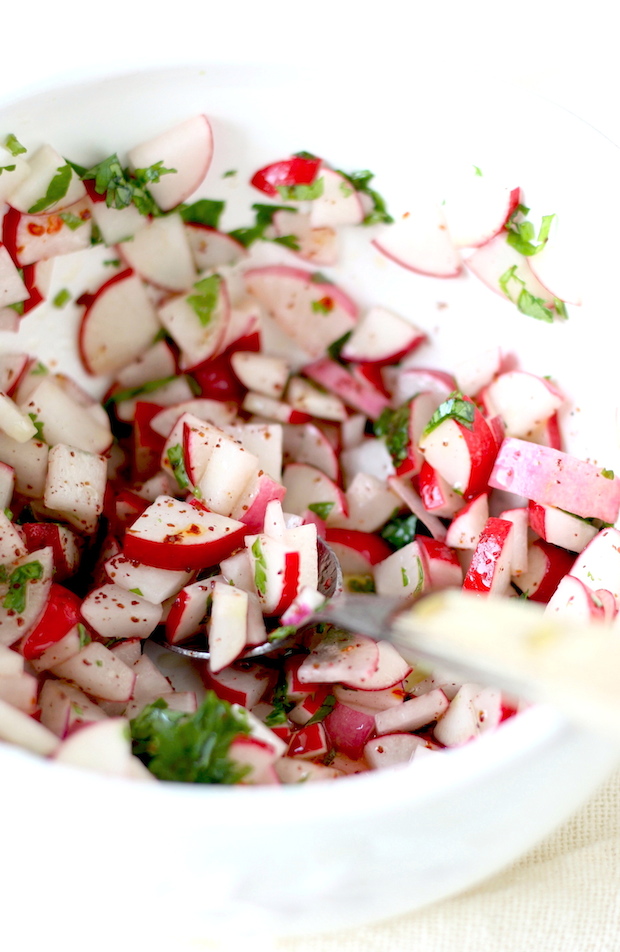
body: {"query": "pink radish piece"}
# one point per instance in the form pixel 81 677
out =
pixel 558 479
pixel 187 148
pixel 420 241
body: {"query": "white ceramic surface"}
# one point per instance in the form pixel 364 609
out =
pixel 312 858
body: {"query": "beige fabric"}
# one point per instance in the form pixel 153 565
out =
pixel 564 896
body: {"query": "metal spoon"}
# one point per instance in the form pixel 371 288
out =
pixel 509 643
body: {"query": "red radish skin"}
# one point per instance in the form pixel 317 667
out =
pixel 547 566
pixel 287 172
pixel 61 613
pixel 489 569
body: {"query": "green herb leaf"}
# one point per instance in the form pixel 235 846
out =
pixel 534 307
pixel 136 591
pixel 334 349
pixel 9 514
pixel 63 297
pixel 39 368
pixel 206 300
pixel 400 530
pixel 420 583
pixel 324 305
pixel 121 188
pixel 203 212
pixel 326 708
pixel 522 234
pixel 260 568
pixel 301 193
pixel 190 748
pixel 608 473
pixel 56 190
pixel 404 576
pixel 477 170
pixel 38 426
pixel 361 183
pixel 455 407
pixel 280 633
pixel 393 426
pixel 359 583
pixel 12 145
pixel 177 462
pixel 129 393
pixel 280 701
pixel 263 220
pixel 15 598
pixel 560 308
pixel 7 168
pixel 322 509
pixel 84 637
pixel 72 221
pixel 229 174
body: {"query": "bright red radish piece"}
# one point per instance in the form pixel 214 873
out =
pixel 60 615
pixel 188 149
pixel 523 401
pixel 252 504
pixel 188 612
pixel 118 325
pixel 160 254
pixel 490 568
pixel 558 479
pixel 463 453
pixel 276 571
pixel 546 567
pixel 438 497
pixel 382 337
pixel 357 551
pixel 560 528
pixel 443 569
pixel 172 534
pixel 310 311
pixel 308 742
pixel 420 241
pixel 244 682
pixel 298 170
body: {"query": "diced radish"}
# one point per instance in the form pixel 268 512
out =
pixel 15 169
pixel 402 574
pixel 75 486
pixel 118 324
pixel 63 420
pixel 354 391
pixel 188 149
pixel 560 528
pixel 275 568
pixel 156 585
pixel 465 529
pixel 413 714
pixel 438 497
pixel 558 479
pixel 117 224
pixel 251 505
pixel 34 238
pixel 406 381
pixel 104 746
pixel 294 770
pixel 382 337
pixel 176 535
pixel 310 311
pixel 160 253
pixel 391 670
pixel 114 612
pixel 307 398
pixel 348 730
pixel 243 683
pixel 357 551
pixel 64 706
pixel 443 569
pixel 12 287
pixel 317 245
pixel 111 680
pixel 263 440
pixel 474 373
pixel 546 567
pixel 338 204
pixel 490 567
pixel 228 625
pixel 308 742
pixel 44 166
pixel 338 655
pixel 573 600
pixel 389 750
pixel 306 443
pixel 371 456
pixel 21 729
pixel 212 249
pixel 523 401
pixel 307 486
pixel 26 591
pixel 420 241
pixel 405 493
pixel 188 611
pixel 598 565
pixel 462 453
pixel 459 724
pixel 520 522
pixel 497 260
pixel 197 320
pixel 212 411
pixel 29 464
pixel 261 372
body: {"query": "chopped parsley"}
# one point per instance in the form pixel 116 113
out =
pixel 321 509
pixel 404 576
pixel 190 748
pixel 281 702
pixel 71 221
pixel 38 426
pixel 57 189
pixel 229 174
pixel 360 181
pixel 7 168
pixel 326 708
pixel 477 170
pixel 455 407
pixel 260 568
pixel 177 463
pixel 63 297
pixel 136 591
pixel 12 145
pixel 359 583
pixel 522 234
pixel 203 212
pixel 334 349
pixel 280 633
pixel 324 305
pixel 301 193
pixel 15 598
pixel 607 473
pixel 420 584
pixel 400 530
pixel 206 300
pixel 262 222
pixel 83 636
pixel 129 393
pixel 39 368
pixel 122 187
pixel 393 426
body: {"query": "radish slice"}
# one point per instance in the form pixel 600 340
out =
pixel 420 241
pixel 44 166
pixel 476 209
pixel 188 149
pixel 339 203
pixel 160 253
pixel 339 656
pixel 382 337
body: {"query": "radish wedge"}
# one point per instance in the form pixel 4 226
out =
pixel 420 241
pixel 188 149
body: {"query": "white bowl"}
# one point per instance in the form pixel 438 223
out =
pixel 164 860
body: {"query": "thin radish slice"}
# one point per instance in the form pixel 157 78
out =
pixel 188 149
pixel 338 204
pixel 12 287
pixel 337 655
pixel 318 245
pixel 382 337
pixel 118 325
pixel 420 241
pixel 506 271
pixel 197 320
pixel 524 401
pixel 407 494
pixel 391 670
pixel 34 238
pixel 477 207
pixel 556 265
pixel 45 165
pixel 160 253
pixel 312 312
pixel 212 249
pixel 413 714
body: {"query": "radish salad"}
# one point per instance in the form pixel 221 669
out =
pixel 249 410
